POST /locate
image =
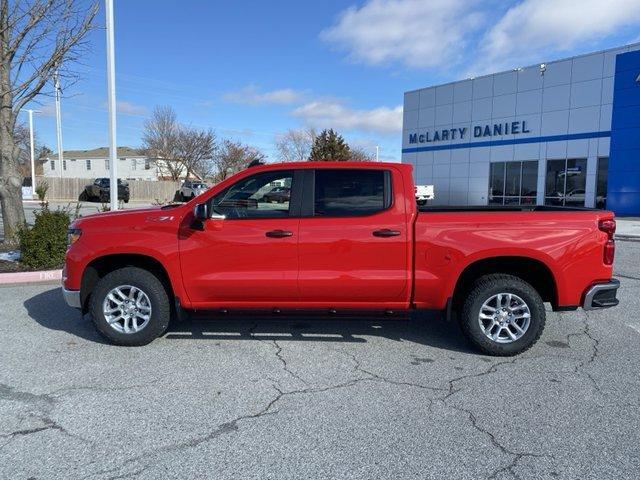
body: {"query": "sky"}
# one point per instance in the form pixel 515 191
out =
pixel 250 70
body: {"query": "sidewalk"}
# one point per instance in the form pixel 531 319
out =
pixel 628 228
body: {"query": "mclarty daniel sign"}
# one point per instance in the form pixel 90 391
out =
pixel 477 131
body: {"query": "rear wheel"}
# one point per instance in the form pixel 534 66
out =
pixel 502 315
pixel 130 306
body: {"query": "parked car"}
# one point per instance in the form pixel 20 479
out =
pixel 278 195
pixel 424 193
pixel 100 190
pixel 351 239
pixel 191 189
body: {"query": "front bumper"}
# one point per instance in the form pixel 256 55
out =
pixel 601 295
pixel 72 297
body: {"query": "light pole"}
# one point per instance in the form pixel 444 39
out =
pixel 111 103
pixel 56 84
pixel 377 153
pixel 33 161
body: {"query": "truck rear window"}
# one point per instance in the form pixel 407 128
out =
pixel 343 192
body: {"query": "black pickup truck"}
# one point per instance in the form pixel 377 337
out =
pixel 100 190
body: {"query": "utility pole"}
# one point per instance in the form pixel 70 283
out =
pixel 377 153
pixel 56 85
pixel 33 162
pixel 111 102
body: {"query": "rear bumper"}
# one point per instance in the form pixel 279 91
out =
pixel 601 295
pixel 72 297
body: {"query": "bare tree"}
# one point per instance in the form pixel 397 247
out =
pixel 36 38
pixel 23 141
pixel 360 154
pixel 196 149
pixel 295 145
pixel 233 157
pixel 176 149
pixel 160 139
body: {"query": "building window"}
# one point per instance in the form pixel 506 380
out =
pixel 147 164
pixel 53 164
pixel 513 183
pixel 133 164
pixel 601 182
pixel 565 182
pixel 106 164
pixel 88 163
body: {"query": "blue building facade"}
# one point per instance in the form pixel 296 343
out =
pixel 565 132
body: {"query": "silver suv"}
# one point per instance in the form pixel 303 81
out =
pixel 191 189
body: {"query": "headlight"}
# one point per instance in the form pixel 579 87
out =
pixel 73 235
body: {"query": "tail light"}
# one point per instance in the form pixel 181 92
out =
pixel 608 227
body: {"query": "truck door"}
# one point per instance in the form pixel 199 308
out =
pixel 249 258
pixel 354 239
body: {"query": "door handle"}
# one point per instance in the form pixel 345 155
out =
pixel 279 234
pixel 386 232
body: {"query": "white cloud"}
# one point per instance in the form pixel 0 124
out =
pixel 252 95
pixel 128 108
pixel 334 114
pixel 542 27
pixel 417 33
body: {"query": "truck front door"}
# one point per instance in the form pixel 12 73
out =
pixel 249 258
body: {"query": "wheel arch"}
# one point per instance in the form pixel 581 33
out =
pixel 101 266
pixel 533 271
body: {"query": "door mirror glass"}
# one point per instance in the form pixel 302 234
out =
pixel 200 212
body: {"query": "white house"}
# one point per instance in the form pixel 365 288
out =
pixel 133 164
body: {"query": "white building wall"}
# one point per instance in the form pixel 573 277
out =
pixel 77 168
pixel 571 96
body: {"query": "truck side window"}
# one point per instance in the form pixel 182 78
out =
pixel 343 192
pixel 265 195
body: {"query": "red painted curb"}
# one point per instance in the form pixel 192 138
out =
pixel 30 277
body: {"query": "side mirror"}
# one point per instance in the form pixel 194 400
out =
pixel 200 212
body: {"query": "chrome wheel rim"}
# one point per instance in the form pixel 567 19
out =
pixel 127 309
pixel 504 318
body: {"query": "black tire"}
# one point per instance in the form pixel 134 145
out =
pixel 84 196
pixel 126 199
pixel 483 289
pixel 151 286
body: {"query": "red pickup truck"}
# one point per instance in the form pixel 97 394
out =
pixel 350 238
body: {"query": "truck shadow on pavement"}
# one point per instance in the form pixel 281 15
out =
pixel 427 328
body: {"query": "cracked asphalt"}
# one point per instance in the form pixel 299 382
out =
pixel 293 397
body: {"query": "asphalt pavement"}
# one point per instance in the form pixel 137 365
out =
pixel 293 398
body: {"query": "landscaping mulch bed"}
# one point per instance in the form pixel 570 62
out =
pixel 10 267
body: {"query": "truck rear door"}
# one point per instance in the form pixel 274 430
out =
pixel 353 239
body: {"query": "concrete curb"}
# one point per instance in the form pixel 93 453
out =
pixel 30 277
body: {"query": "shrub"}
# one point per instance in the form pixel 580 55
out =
pixel 41 191
pixel 45 244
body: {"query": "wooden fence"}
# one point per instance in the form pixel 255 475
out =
pixel 70 188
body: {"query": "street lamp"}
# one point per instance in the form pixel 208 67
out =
pixel 111 103
pixel 33 161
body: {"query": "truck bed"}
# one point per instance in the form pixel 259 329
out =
pixel 502 208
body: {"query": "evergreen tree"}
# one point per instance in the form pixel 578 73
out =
pixel 329 145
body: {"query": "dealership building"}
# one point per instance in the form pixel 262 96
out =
pixel 565 132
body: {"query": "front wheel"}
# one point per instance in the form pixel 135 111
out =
pixel 130 307
pixel 502 315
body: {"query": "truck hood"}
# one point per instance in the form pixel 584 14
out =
pixel 132 216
